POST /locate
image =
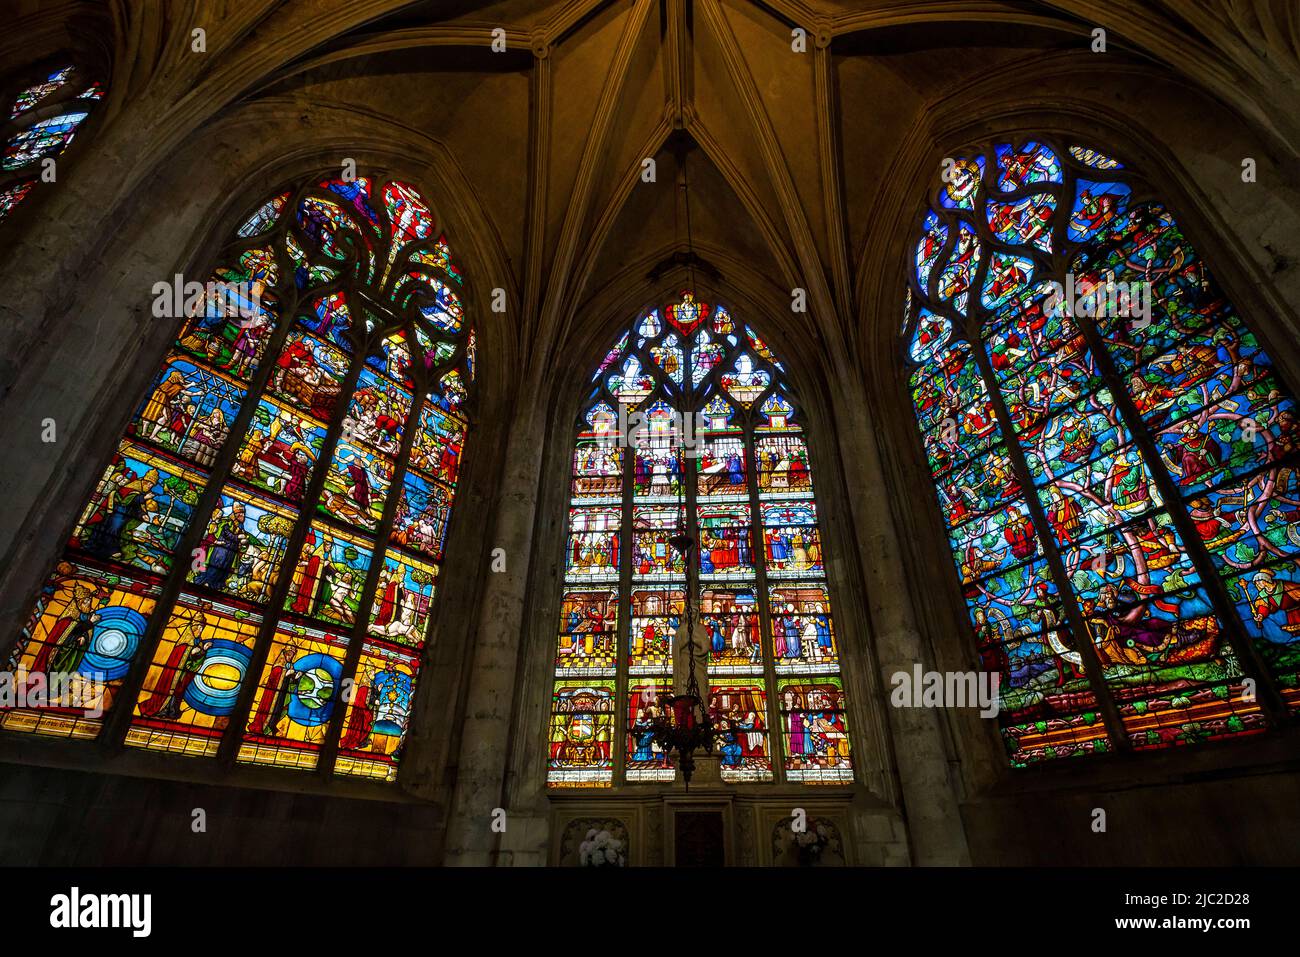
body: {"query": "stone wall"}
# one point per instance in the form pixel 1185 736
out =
pixel 56 817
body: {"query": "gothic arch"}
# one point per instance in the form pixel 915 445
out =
pixel 210 632
pixel 1229 654
pixel 746 567
pixel 1004 107
pixel 177 232
pixel 1205 205
pixel 607 313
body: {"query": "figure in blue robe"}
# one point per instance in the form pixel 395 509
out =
pixel 792 647
pixel 730 750
pixel 716 641
pixel 644 738
pixel 735 476
pixel 780 547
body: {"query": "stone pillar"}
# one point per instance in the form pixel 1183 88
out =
pixel 77 341
pixel 930 803
pixel 485 734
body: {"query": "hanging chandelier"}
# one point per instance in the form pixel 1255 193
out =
pixel 684 724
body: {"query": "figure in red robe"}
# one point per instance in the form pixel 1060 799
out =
pixel 1200 453
pixel 268 691
pixel 1274 596
pixel 360 720
pixel 447 462
pixel 276 693
pixel 295 354
pixel 360 489
pixel 798 473
pixel 1065 516
pixel 307 585
pixel 388 598
pixel 178 674
pixel 1093 212
pixel 299 470
pixel 1147 396
pixel 69 638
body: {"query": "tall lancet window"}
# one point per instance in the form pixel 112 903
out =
pixel 254 573
pixel 39 125
pixel 690 428
pixel 1114 456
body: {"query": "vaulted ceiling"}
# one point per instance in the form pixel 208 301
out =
pixel 788 155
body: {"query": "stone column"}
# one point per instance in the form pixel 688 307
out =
pixel 930 802
pixel 485 734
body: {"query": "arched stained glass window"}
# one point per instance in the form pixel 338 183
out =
pixel 270 529
pixel 690 428
pixel 40 124
pixel 1114 456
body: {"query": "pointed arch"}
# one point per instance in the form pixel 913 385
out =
pixel 689 428
pixel 254 573
pixel 1113 453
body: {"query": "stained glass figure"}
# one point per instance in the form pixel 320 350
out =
pixel 378 713
pixel 193 684
pixel 87 626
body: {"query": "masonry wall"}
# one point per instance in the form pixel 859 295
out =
pixel 56 817
pixel 1248 818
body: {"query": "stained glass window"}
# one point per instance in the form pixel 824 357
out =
pixel 257 565
pixel 690 429
pixel 44 117
pixel 1114 457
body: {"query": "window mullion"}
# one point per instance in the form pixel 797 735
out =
pixel 1271 700
pixel 767 638
pixel 118 723
pixel 1083 639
